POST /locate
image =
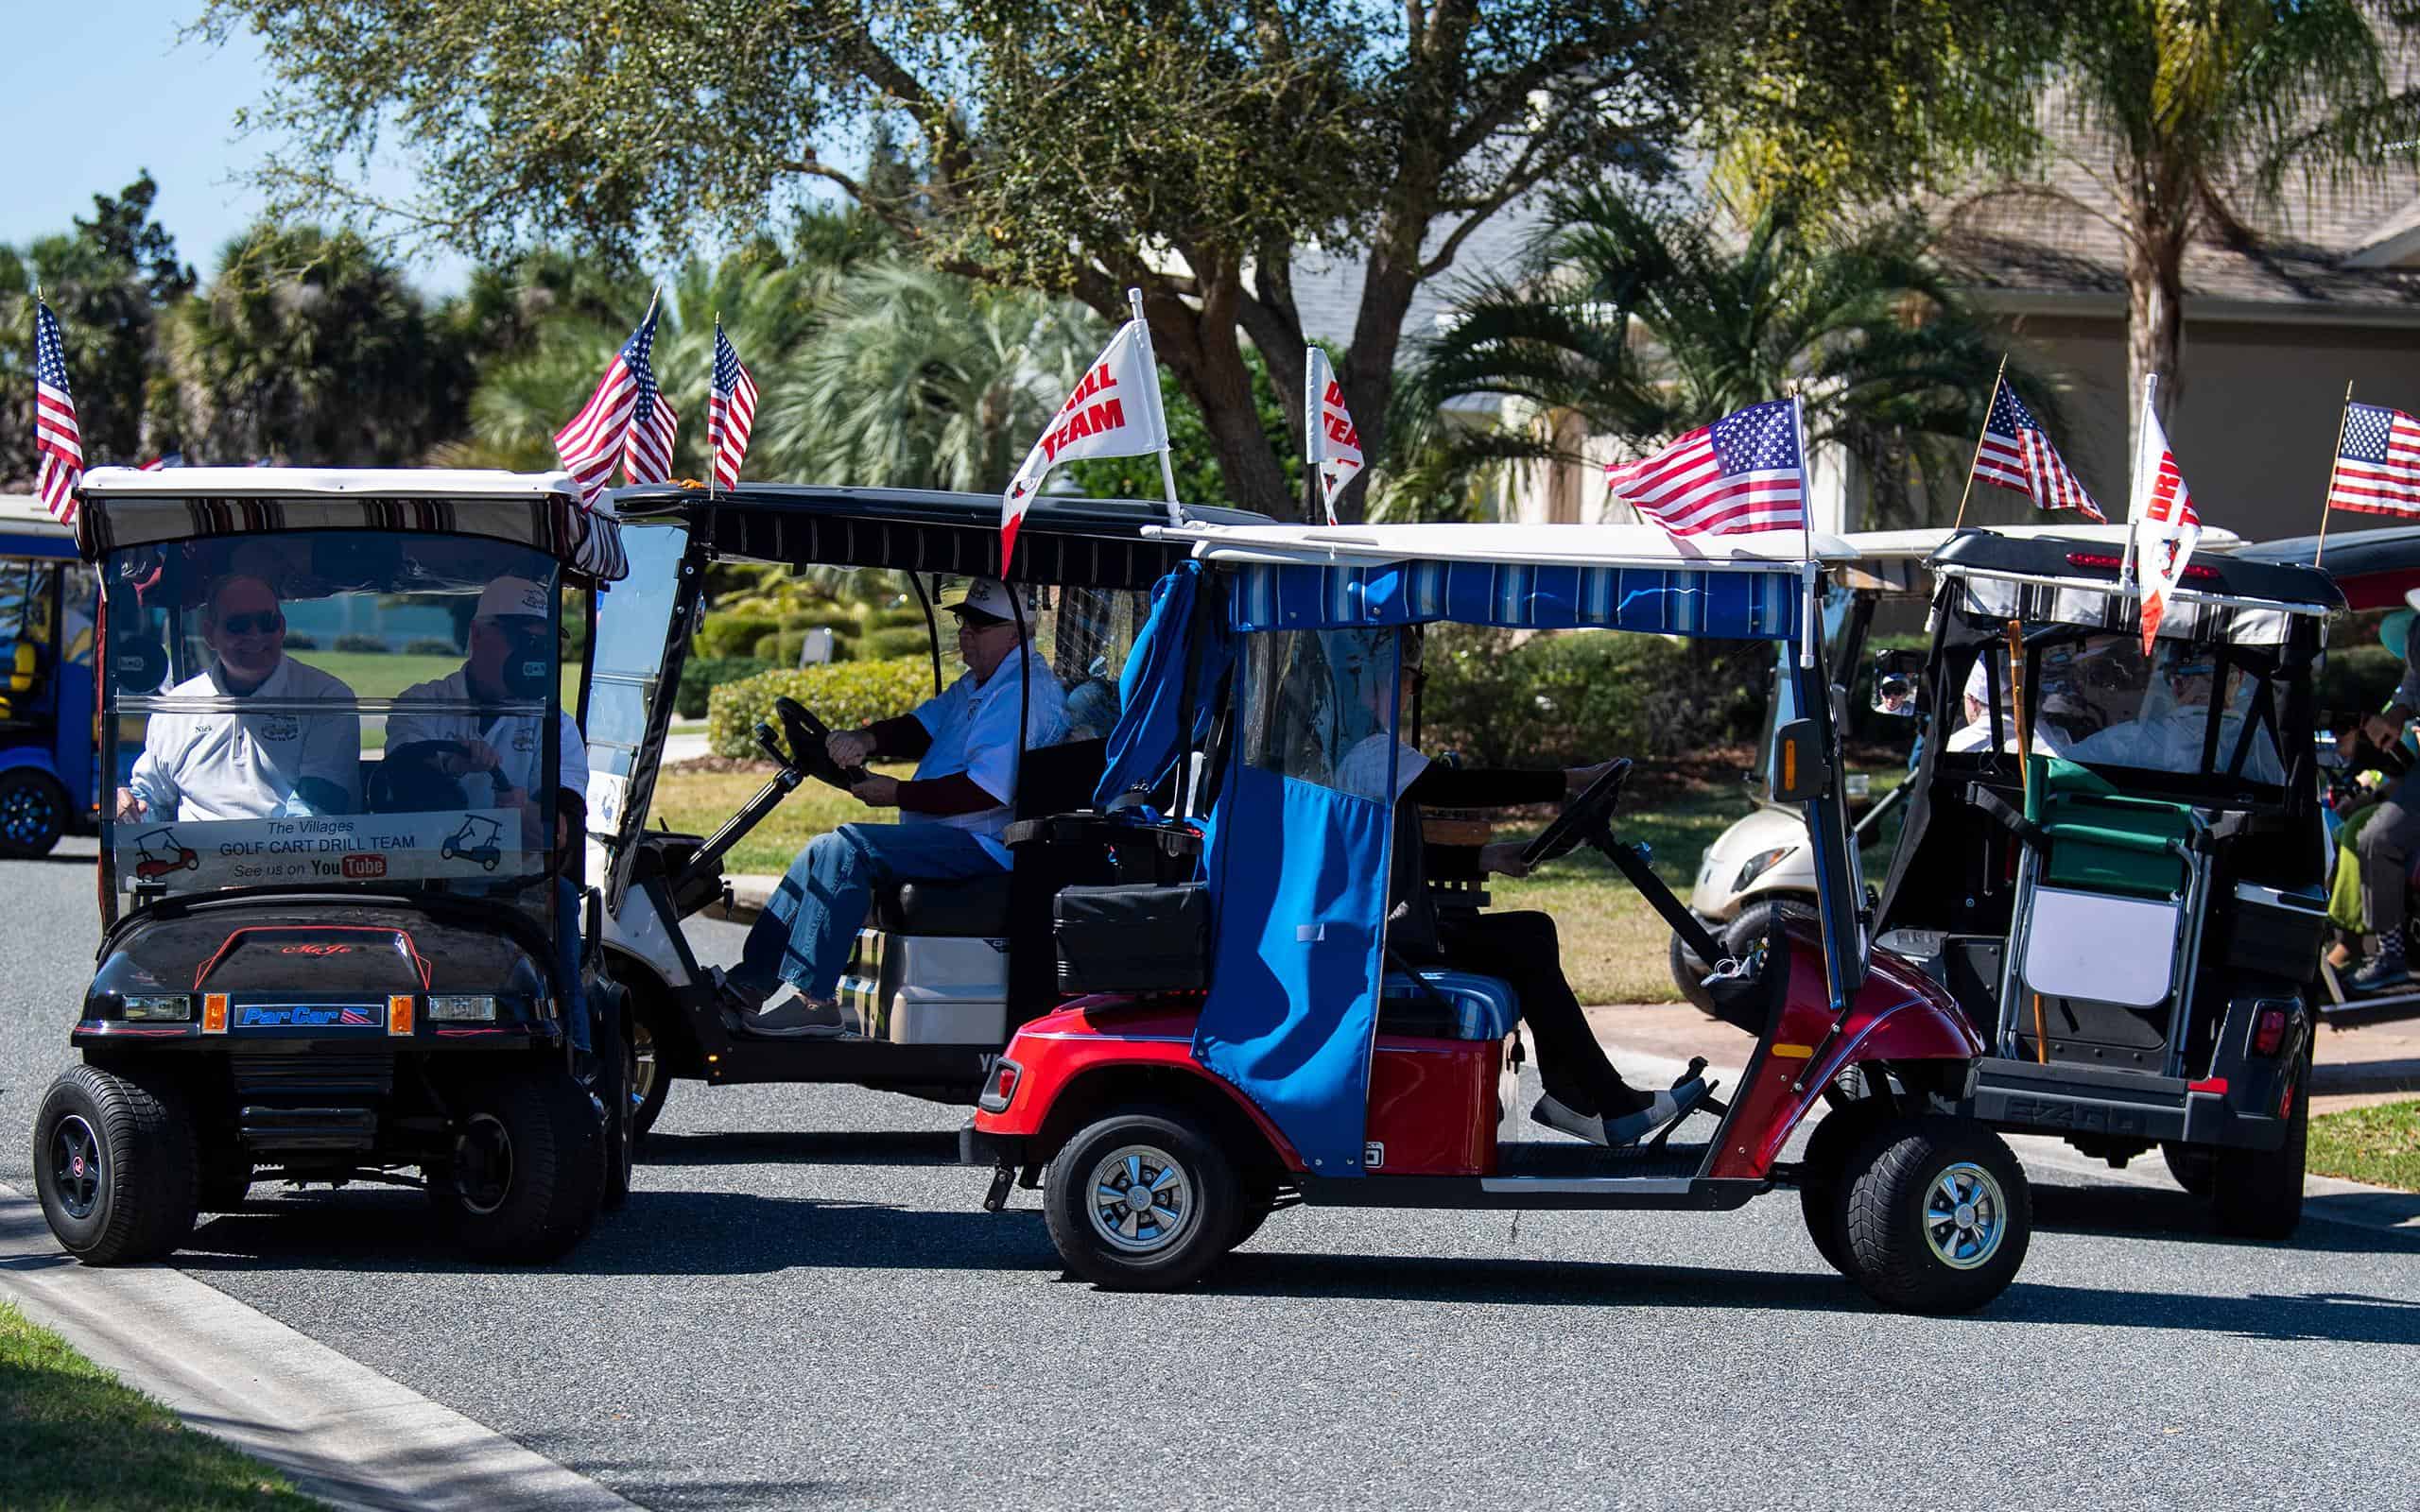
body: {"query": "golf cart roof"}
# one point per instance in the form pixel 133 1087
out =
pixel 127 506
pixel 1094 542
pixel 2081 575
pixel 2372 568
pixel 22 514
pixel 1516 545
pixel 1923 542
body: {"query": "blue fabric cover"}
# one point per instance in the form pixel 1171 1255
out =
pixel 1761 605
pixel 1145 742
pixel 1298 874
pixel 1484 1007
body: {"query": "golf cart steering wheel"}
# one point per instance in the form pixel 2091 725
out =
pixel 395 770
pixel 1581 819
pixel 807 737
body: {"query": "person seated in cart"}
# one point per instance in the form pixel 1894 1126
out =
pixel 243 765
pixel 2171 728
pixel 951 815
pixel 508 751
pixel 1976 734
pixel 2393 828
pixel 1584 1094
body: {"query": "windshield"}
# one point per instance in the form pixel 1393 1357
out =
pixel 2189 708
pixel 332 708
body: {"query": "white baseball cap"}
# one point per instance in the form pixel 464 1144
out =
pixel 981 595
pixel 513 596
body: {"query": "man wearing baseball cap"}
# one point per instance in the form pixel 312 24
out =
pixel 2386 842
pixel 967 742
pixel 503 754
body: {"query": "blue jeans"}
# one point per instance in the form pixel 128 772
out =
pixel 810 923
pixel 568 898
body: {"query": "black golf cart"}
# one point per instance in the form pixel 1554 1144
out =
pixel 2118 870
pixel 304 974
pixel 945 971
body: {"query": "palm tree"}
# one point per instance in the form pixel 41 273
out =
pixel 2208 105
pixel 1641 323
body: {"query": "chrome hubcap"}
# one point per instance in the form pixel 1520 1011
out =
pixel 483 1163
pixel 1966 1215
pixel 26 814
pixel 76 1167
pixel 642 1063
pixel 1142 1199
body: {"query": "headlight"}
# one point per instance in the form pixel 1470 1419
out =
pixel 472 1008
pixel 173 1005
pixel 1762 862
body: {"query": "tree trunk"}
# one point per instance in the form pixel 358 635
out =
pixel 2154 326
pixel 1202 350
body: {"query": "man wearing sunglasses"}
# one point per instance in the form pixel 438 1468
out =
pixel 296 749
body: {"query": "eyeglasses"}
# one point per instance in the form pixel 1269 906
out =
pixel 268 622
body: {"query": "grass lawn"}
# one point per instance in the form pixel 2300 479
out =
pixel 76 1439
pixel 386 675
pixel 1613 945
pixel 2379 1144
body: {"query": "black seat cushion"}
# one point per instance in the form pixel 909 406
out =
pixel 971 908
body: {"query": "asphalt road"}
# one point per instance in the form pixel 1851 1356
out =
pixel 803 1305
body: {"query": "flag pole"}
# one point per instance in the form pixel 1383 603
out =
pixel 2344 421
pixel 1151 366
pixel 1806 532
pixel 1996 378
pixel 2134 483
pixel 712 449
pixel 1312 481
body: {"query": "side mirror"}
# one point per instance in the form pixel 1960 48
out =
pixel 1800 771
pixel 1895 675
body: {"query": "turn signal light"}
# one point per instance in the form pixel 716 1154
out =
pixel 214 1013
pixel 1001 1089
pixel 2268 1032
pixel 399 1013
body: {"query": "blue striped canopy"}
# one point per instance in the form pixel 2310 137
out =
pixel 1755 605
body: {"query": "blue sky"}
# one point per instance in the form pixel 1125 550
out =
pixel 91 91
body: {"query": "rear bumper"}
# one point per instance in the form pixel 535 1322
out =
pixel 975 1147
pixel 2023 1097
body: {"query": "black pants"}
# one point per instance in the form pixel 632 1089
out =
pixel 1523 950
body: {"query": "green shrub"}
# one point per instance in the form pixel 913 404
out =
pixel 301 643
pixel 360 644
pixel 729 635
pixel 430 646
pixel 782 647
pixel 2360 674
pixel 897 641
pixel 844 695
pixel 701 675
pixel 1581 696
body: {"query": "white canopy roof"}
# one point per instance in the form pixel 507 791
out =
pixel 22 514
pixel 302 482
pixel 1569 545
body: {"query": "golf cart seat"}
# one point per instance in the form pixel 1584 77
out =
pixel 976 907
pixel 1451 1005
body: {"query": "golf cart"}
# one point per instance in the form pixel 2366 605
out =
pixel 2374 570
pixel 327 988
pixel 944 969
pixel 47 773
pixel 1164 1126
pixel 1764 863
pixel 2121 880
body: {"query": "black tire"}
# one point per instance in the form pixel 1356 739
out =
pixel 132 1194
pixel 609 1008
pixel 651 1072
pixel 1166 1141
pixel 2191 1165
pixel 1905 1261
pixel 1688 974
pixel 1828 1148
pixel 529 1172
pixel 226 1179
pixel 2259 1194
pixel 33 812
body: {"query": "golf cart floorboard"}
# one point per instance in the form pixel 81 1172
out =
pixel 1558 1157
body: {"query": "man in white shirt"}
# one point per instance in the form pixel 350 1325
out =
pixel 951 815
pixel 503 754
pixel 277 762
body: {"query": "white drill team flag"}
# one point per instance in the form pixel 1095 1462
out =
pixel 1328 432
pixel 1113 412
pixel 2167 528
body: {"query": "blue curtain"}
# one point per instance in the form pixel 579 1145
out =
pixel 1146 742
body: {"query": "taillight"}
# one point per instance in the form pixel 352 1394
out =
pixel 1001 1089
pixel 2268 1032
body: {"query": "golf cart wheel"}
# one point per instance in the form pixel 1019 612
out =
pixel 1935 1213
pixel 650 1078
pixel 528 1168
pixel 609 1010
pixel 2259 1194
pixel 1144 1199
pixel 2192 1165
pixel 1688 974
pixel 115 1167
pixel 1837 1135
pixel 33 813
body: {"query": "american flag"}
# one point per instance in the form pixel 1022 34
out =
pixel 1742 473
pixel 166 460
pixel 2378 467
pixel 731 411
pixel 609 428
pixel 58 441
pixel 2017 454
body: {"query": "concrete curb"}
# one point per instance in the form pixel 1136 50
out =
pixel 345 1434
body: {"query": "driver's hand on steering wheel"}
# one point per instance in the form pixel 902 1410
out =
pixel 478 756
pixel 1576 779
pixel 1503 858
pixel 876 791
pixel 849 747
pixel 129 807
